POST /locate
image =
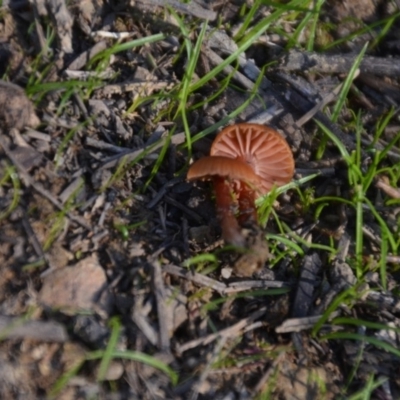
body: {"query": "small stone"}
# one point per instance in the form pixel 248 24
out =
pixel 16 110
pixel 201 234
pixel 77 288
pixel 28 157
pixel 114 371
pixel 226 272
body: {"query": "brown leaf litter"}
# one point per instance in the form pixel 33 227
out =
pixel 98 232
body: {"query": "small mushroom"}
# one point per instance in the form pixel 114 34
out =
pixel 224 172
pixel 246 160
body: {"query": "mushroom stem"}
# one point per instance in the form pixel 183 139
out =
pixel 247 206
pixel 231 232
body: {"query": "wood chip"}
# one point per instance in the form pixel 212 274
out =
pixel 308 280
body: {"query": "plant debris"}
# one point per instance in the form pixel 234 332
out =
pixel 114 279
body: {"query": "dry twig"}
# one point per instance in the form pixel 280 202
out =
pixel 297 60
pixel 17 328
pixel 193 8
pixel 232 331
pixel 161 299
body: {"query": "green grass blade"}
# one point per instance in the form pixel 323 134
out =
pixel 347 84
pixel 294 38
pixel 366 393
pixel 381 126
pixel 233 114
pixel 287 242
pixel 160 158
pixel 248 20
pixel 65 378
pixel 139 357
pixel 307 244
pixel 108 352
pixel 342 298
pixel 360 322
pixel 372 28
pixel 282 189
pixel 343 151
pixel 358 198
pixel 357 337
pixel 11 173
pixel 117 48
pixel 192 56
pixel 383 225
pixel 200 259
pixel 330 199
pixel 385 151
pixel 246 42
pixel 264 24
pixel 313 28
pixel 382 261
pixel 381 33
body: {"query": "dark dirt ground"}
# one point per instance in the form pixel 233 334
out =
pixel 93 240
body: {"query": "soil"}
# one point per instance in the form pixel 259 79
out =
pixel 113 274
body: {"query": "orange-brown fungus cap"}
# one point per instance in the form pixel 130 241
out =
pixel 208 167
pixel 261 147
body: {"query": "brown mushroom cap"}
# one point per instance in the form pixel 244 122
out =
pixel 261 147
pixel 231 168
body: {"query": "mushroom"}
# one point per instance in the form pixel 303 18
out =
pixel 224 172
pixel 245 160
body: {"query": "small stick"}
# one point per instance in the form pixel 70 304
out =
pixel 140 318
pixel 186 210
pixel 206 371
pixel 301 324
pixel 264 379
pixel 388 189
pixel 241 286
pixel 320 105
pixel 195 277
pixel 161 299
pixel 297 60
pixel 127 157
pixel 191 9
pixel 100 144
pixel 232 331
pixel 17 328
pixel 118 88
